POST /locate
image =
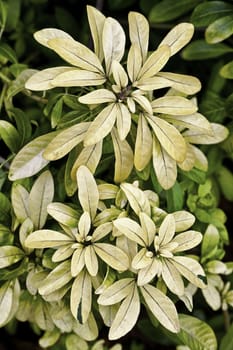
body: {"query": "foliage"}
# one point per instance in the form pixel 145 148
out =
pixel 116 173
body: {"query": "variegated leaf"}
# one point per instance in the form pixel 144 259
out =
pixel 187 240
pixel 76 54
pixel 97 97
pixel 134 62
pixel 123 158
pixel 91 261
pixel 87 191
pixel 164 166
pixel 63 253
pixel 132 230
pixel 42 80
pixel 146 274
pixel 174 105
pixel 96 22
pixel 186 84
pixel 6 302
pixel 19 199
pixel 101 231
pixel 172 278
pixel 178 37
pixel 113 40
pixel 142 260
pixel 119 74
pixel 139 32
pixel 56 279
pixel 9 255
pixel 169 138
pixel 108 313
pixel 112 255
pixel 77 261
pixel 189 161
pixel 47 239
pixel 212 297
pixel 81 297
pixel 90 157
pixel 167 230
pixel 152 83
pixel 143 144
pixel 148 227
pixel 155 62
pixel 63 214
pixel 219 133
pixel 142 101
pixel 195 121
pixel 116 292
pixel 88 330
pixel 102 125
pixel 78 77
pixel 161 307
pixel 138 201
pixel 65 141
pixel 201 161
pixel 126 316
pixel 43 36
pixel 123 121
pixel 84 225
pixel 41 195
pixel 191 270
pixel 183 220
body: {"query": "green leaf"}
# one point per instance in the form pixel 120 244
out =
pixel 49 338
pixel 225 179
pixel 175 198
pixel 23 124
pixel 219 30
pixel 227 340
pixel 10 135
pixel 5 208
pixel 227 70
pixel 29 160
pixel 195 175
pixel 6 236
pixel 7 52
pixel 206 13
pixel 3 14
pixel 9 255
pixel 167 10
pixel 196 334
pixel 13 14
pixel 200 50
pixel 73 341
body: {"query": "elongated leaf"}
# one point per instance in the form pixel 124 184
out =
pixel 116 292
pixel 123 121
pixel 169 138
pixel 113 40
pixel 102 125
pixel 8 53
pixel 40 196
pixel 138 201
pixel 190 269
pixel 143 101
pixel 42 80
pixel 63 214
pixel 43 36
pixel 107 191
pixel 155 62
pixel 65 141
pixel 19 198
pixel 183 220
pixel 90 157
pixel 76 54
pixel 161 307
pixel 164 166
pixel 47 239
pixel 227 340
pixel 78 77
pixel 9 255
pixel 91 260
pixel 88 191
pixel 196 334
pixel 172 278
pixel 200 49
pixel 101 231
pixel 143 144
pixel 81 297
pixel 126 316
pixel 123 158
pixel 139 32
pixel 98 96
pixel 77 261
pixel 207 12
pixel 219 30
pixel 29 160
pixel 219 133
pixel 112 255
pixel 134 62
pixel 187 240
pixel 195 121
pixel 184 83
pixel 49 338
pixel 9 135
pixel 131 229
pixel 119 74
pixel 167 230
pixel 96 22
pixel 178 37
pixel 174 105
pixel 88 330
pixel 6 301
pixel 227 70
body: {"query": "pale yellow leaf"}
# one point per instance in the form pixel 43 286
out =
pixel 139 32
pixel 131 229
pixel 47 239
pixel 91 261
pixel 123 158
pixel 84 225
pixel 174 105
pixel 43 36
pixel 219 133
pixel 212 297
pixel 137 198
pixel 87 191
pixel 123 121
pixel 155 62
pixel 78 77
pixel 42 80
pixel 102 125
pixel 178 37
pixel 65 141
pixel 141 260
pixel 113 40
pixel 189 161
pixel 143 144
pixel 152 83
pixel 39 198
pixel 112 255
pixel 81 297
pixel 167 230
pixel 119 74
pixel 19 199
pixel 169 137
pixel 148 227
pixel 126 316
pixel 116 292
pixel 195 121
pixel 88 330
pixel 190 269
pixel 186 84
pixel 172 277
pixel 76 54
pixel 183 220
pixel 201 161
pixel 164 166
pixel 107 191
pixel 77 261
pixel 146 274
pixel 96 22
pixel 97 97
pixel 142 101
pixel 63 253
pixel 134 62
pixel 101 231
pixel 6 302
pixel 161 307
pixel 90 157
pixel 108 313
pixel 63 214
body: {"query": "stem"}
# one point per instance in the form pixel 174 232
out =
pixel 36 98
pixel 227 321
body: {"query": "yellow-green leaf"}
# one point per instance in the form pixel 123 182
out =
pixel 123 121
pixel 19 199
pixel 195 121
pixel 219 30
pixel 96 22
pixel 47 239
pixel 187 240
pixel 143 144
pixel 63 214
pixel 77 261
pixel 174 105
pixel 9 255
pixel 112 255
pixel 139 32
pixel 88 330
